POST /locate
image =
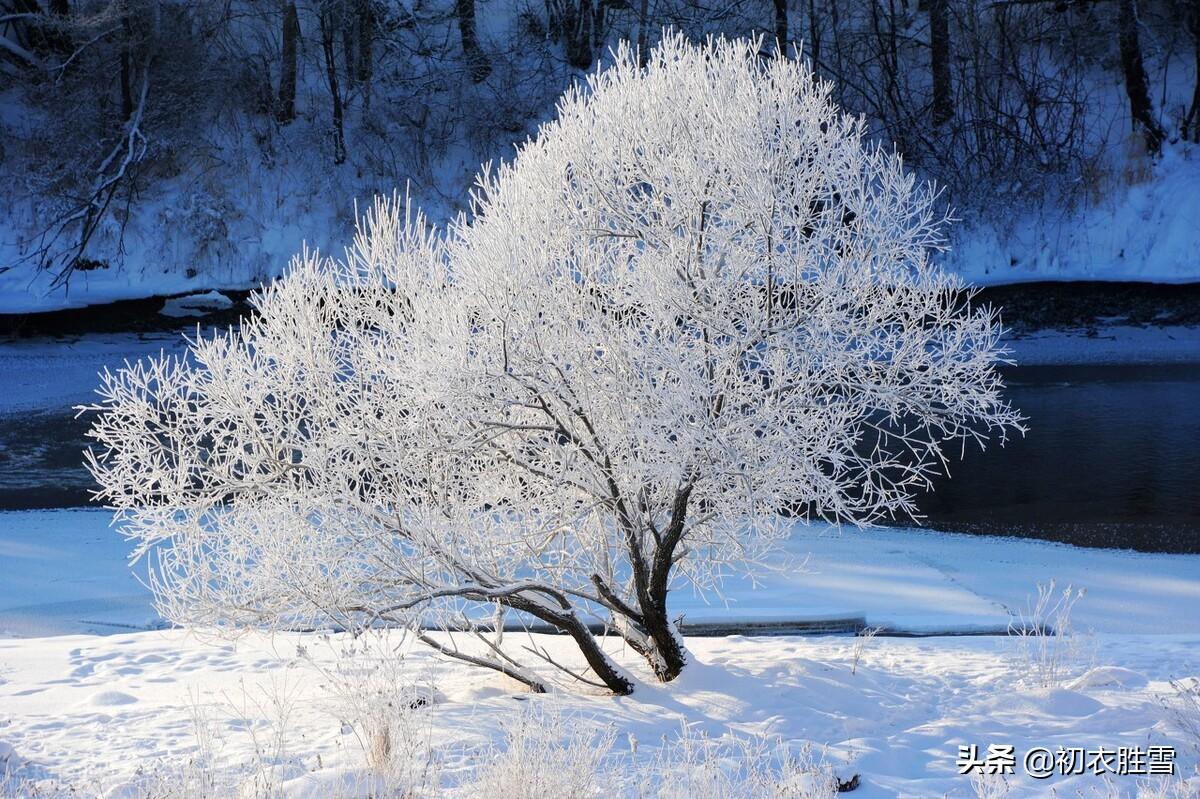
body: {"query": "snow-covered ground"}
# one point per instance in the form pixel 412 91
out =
pixel 1143 228
pixel 102 713
pixel 65 571
pixel 96 709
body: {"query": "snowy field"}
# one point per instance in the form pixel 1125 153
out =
pixel 97 711
pixel 97 706
pixel 65 572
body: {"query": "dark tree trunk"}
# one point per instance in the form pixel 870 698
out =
pixel 477 62
pixel 939 48
pixel 600 664
pixel 126 91
pixel 814 38
pixel 669 656
pixel 781 25
pixel 672 655
pixel 535 686
pixel 651 581
pixel 1136 84
pixel 366 41
pixel 349 30
pixel 1191 123
pixel 643 30
pixel 885 22
pixel 577 24
pixel 327 46
pixel 565 620
pixel 580 47
pixel 287 72
pixel 126 78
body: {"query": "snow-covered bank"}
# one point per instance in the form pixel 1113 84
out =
pixel 65 572
pixel 108 715
pixel 1145 227
pixel 99 712
pixel 1116 344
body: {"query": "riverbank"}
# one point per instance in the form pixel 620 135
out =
pixel 90 708
pixel 1027 307
pixel 67 572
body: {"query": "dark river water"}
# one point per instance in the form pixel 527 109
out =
pixel 1112 458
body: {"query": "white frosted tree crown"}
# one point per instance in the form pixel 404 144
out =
pixel 697 299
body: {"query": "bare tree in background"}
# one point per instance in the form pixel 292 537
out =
pixel 643 40
pixel 365 17
pixel 126 77
pixel 1141 107
pixel 477 61
pixel 994 99
pixel 286 111
pixel 939 58
pixel 580 25
pixel 330 18
pixel 813 45
pixel 1191 121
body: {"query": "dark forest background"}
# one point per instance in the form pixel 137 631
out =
pixel 200 123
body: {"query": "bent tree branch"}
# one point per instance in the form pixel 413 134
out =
pixel 82 220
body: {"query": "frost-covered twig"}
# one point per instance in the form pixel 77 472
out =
pixel 1046 638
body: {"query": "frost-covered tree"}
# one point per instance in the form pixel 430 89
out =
pixel 695 306
pixel 706 300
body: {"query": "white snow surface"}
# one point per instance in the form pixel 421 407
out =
pixel 196 304
pixel 93 711
pixel 87 704
pixel 1144 227
pixel 65 571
